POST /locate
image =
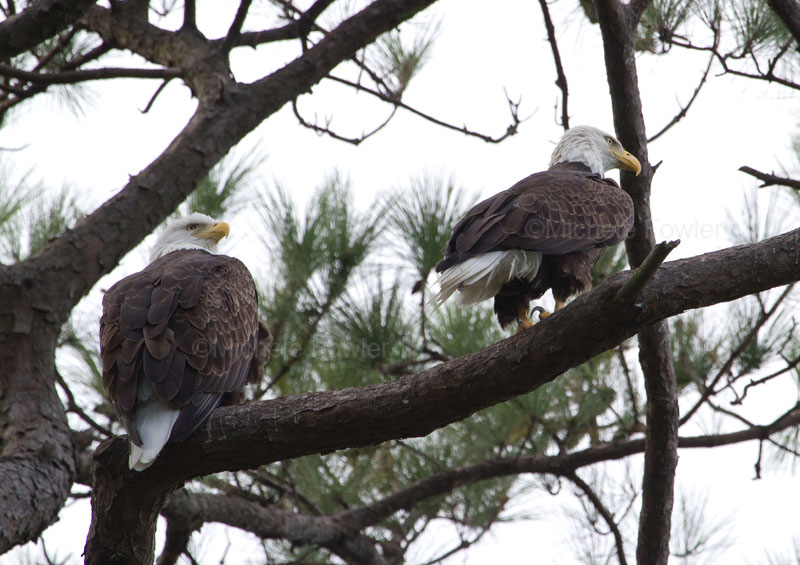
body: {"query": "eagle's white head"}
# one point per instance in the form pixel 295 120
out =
pixel 594 148
pixel 195 231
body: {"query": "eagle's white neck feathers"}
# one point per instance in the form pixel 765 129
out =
pixel 194 231
pixel 587 145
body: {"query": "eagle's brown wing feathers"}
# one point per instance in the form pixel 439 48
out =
pixel 188 325
pixel 555 212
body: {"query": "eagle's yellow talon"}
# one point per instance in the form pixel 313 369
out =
pixel 523 320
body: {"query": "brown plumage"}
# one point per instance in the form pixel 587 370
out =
pixel 550 228
pixel 187 326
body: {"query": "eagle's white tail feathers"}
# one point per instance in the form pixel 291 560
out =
pixel 154 420
pixel 482 276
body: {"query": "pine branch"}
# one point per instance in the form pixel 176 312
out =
pixel 258 433
pixel 273 522
pixel 601 508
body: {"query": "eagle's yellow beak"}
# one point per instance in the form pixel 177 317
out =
pixel 216 231
pixel 627 161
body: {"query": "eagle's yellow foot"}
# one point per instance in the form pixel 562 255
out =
pixel 524 324
pixel 544 313
pixel 523 320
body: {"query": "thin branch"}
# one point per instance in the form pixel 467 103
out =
pixel 73 406
pixel 236 26
pixel 71 77
pixel 155 95
pixel 771 179
pixel 561 80
pixel 604 512
pixel 684 109
pixel 510 130
pixel 465 543
pixel 326 129
pixel 709 391
pixel 753 383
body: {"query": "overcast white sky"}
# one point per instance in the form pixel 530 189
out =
pixel 480 52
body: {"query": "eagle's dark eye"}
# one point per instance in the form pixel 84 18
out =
pixel 610 141
pixel 191 227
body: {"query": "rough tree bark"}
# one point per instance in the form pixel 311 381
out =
pixel 618 23
pixel 262 432
pixel 193 510
pixel 36 296
pixel 38 22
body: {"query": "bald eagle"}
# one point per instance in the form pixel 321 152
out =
pixel 545 232
pixel 179 337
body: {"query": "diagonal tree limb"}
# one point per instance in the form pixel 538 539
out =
pixel 258 433
pixel 601 509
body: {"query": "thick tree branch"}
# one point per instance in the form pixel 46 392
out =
pixel 266 522
pixel 40 21
pixel 274 522
pixel 262 432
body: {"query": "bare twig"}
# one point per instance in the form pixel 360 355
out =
pixel 684 109
pixel 327 130
pixel 510 130
pixel 561 80
pixel 709 391
pixel 771 179
pixel 603 511
pixel 753 383
pixel 71 77
pixel 73 406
